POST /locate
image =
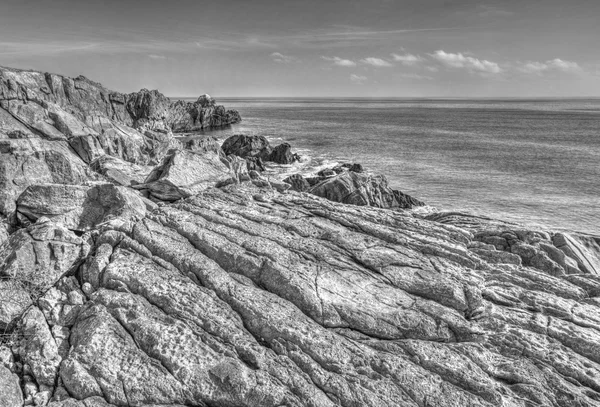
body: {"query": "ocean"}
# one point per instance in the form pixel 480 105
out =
pixel 535 162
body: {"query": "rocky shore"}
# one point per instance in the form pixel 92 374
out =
pixel 140 270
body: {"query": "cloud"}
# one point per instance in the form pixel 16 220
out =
pixel 359 79
pixel 376 62
pixel 283 59
pixel 416 76
pixel 485 10
pixel 466 62
pixel 407 59
pixel 339 61
pixel 553 65
pixel 432 68
pixel 155 56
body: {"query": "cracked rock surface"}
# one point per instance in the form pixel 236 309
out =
pixel 224 300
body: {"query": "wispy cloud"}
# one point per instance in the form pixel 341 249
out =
pixel 358 79
pixel 416 76
pixel 466 62
pixel 45 48
pixel 156 56
pixel 407 59
pixel 339 61
pixel 554 65
pixel 283 59
pixel 486 10
pixel 378 62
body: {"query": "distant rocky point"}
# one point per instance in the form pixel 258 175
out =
pixel 137 269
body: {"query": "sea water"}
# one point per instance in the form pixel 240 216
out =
pixel 535 162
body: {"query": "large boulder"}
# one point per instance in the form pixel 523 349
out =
pixel 80 208
pixel 258 147
pixel 247 146
pixel 185 173
pixel 282 154
pixel 120 172
pixel 364 190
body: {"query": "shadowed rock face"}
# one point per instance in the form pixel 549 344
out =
pixel 258 148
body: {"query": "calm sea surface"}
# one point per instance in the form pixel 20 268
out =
pixel 531 161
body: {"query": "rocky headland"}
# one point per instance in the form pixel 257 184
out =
pixel 140 270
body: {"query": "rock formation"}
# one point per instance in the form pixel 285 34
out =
pixel 258 148
pixel 348 183
pixel 228 289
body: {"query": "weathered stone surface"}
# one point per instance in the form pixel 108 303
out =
pixel 80 208
pixel 14 300
pixel 26 162
pixel 203 145
pixel 10 391
pixel 222 299
pixel 38 256
pixel 38 349
pixel 185 173
pixel 120 172
pixel 584 249
pixel 298 182
pixel 362 189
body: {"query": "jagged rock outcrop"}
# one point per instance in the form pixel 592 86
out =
pixel 28 94
pixel 258 147
pixel 356 188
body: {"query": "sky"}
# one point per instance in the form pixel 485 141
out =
pixel 313 48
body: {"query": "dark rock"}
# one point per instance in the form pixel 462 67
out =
pixel 258 147
pixel 363 190
pixel 356 168
pixel 247 146
pixel 282 154
pixel 255 164
pixel 298 183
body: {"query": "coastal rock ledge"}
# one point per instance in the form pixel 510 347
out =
pixel 169 274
